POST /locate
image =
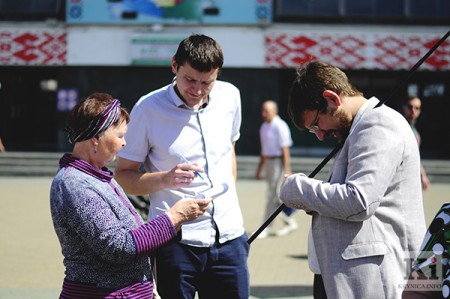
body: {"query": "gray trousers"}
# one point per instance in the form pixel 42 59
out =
pixel 274 176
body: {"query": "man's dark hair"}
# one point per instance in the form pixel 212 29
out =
pixel 311 81
pixel 202 53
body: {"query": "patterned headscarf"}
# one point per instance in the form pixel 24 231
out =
pixel 98 125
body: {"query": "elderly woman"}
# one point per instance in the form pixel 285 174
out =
pixel 105 243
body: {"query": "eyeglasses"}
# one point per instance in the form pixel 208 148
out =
pixel 315 125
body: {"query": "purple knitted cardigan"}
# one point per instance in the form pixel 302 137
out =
pixel 106 246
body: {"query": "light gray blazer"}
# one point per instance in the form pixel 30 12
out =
pixel 368 221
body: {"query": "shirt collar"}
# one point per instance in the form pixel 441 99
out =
pixel 177 101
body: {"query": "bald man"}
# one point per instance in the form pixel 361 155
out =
pixel 275 158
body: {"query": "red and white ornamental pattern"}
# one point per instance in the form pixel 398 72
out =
pixel 33 47
pixel 356 51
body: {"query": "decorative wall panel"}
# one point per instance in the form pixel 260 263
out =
pixel 33 47
pixel 356 51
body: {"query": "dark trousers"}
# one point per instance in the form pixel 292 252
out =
pixel 215 272
pixel 319 288
pixel 288 211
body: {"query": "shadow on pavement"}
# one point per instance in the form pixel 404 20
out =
pixel 281 291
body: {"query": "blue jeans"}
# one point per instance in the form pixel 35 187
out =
pixel 215 272
pixel 288 211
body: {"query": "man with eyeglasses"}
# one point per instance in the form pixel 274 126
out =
pixel 411 111
pixel 367 219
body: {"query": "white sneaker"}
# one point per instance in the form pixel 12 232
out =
pixel 287 219
pixel 292 223
pixel 266 233
pixel 290 226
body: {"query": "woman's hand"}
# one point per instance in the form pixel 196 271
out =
pixel 187 209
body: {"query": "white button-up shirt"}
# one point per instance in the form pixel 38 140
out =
pixel 162 128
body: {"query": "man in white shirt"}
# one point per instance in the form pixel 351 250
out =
pixel 275 138
pixel 195 118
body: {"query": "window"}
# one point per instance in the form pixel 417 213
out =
pixel 426 12
pixel 308 7
pixel 375 8
pixel 32 10
pixel 428 9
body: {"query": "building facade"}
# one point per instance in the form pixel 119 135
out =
pixel 53 53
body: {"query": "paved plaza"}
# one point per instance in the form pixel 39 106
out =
pixel 31 260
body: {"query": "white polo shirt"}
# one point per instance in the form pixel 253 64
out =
pixel 274 136
pixel 162 127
